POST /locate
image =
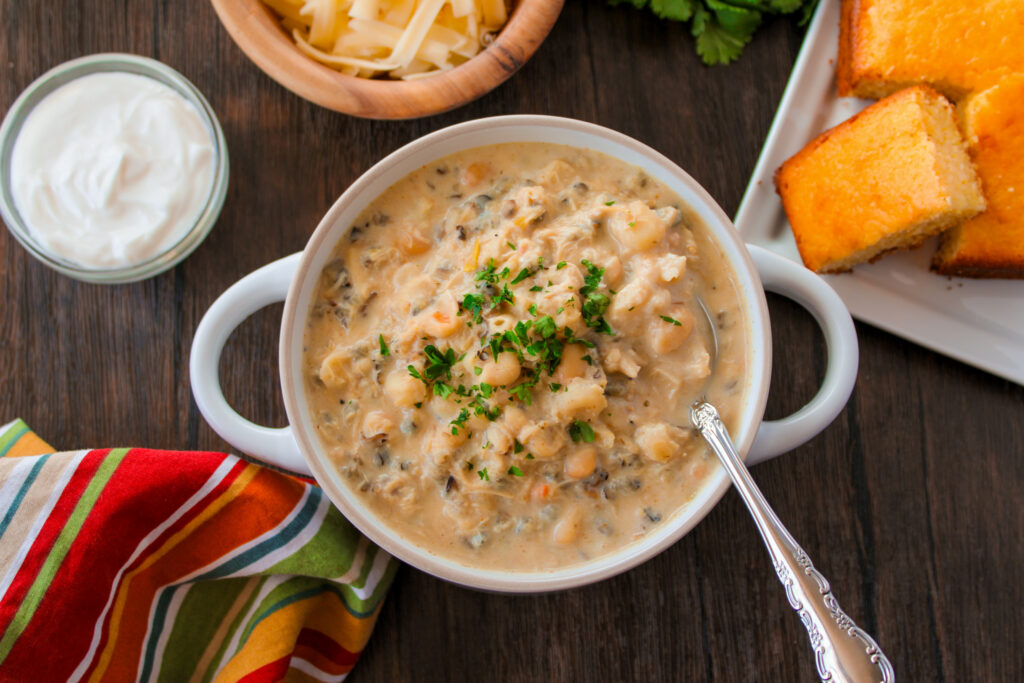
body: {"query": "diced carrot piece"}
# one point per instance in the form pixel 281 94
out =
pixel 540 492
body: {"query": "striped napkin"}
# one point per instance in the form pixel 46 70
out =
pixel 135 564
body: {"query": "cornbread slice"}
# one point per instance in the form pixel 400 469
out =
pixel 956 46
pixel 887 178
pixel 992 244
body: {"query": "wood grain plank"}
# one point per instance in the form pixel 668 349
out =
pixel 910 502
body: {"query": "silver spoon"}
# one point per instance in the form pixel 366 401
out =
pixel 843 651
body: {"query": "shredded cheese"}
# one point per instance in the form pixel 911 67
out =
pixel 474 259
pixel 403 39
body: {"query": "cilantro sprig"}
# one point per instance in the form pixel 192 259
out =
pixel 722 27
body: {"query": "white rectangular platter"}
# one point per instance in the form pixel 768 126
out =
pixel 980 322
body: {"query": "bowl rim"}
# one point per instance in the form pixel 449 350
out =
pixel 322 242
pixel 256 30
pixel 113 62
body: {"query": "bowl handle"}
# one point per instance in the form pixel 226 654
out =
pixel 792 280
pixel 262 287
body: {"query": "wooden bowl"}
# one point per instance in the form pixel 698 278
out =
pixel 256 29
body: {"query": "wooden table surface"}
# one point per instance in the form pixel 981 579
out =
pixel 910 502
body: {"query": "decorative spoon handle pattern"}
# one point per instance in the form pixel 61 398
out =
pixel 844 652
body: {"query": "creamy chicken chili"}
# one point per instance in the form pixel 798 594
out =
pixel 502 352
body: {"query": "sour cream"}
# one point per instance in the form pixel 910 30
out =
pixel 112 169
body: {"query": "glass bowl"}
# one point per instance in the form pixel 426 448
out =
pixel 100 63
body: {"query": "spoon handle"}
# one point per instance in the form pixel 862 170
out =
pixel 844 652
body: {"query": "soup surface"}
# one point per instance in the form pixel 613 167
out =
pixel 501 355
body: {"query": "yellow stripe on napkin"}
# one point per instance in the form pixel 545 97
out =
pixel 18 441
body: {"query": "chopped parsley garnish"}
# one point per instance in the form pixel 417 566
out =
pixel 517 447
pixel 545 327
pixel 496 345
pixel 523 274
pixel 474 303
pixel 438 363
pixel 487 273
pixel 504 295
pixel 581 431
pixel 459 421
pixel 594 307
pixel 594 303
pixel 529 456
pixel 515 471
pixel 477 403
pixel 571 339
pixel 483 474
pixel 511 246
pixel 609 203
pixel 592 279
pixel 538 344
pixel 480 407
pixel 522 331
pixel 548 349
pixel 522 392
pixel 384 350
pixel 671 320
pixel 632 224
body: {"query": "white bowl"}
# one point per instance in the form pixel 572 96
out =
pixel 294 278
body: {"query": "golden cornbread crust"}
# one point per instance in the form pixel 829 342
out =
pixel 847 30
pixel 956 46
pixel 888 178
pixel 992 244
pixel 1001 271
